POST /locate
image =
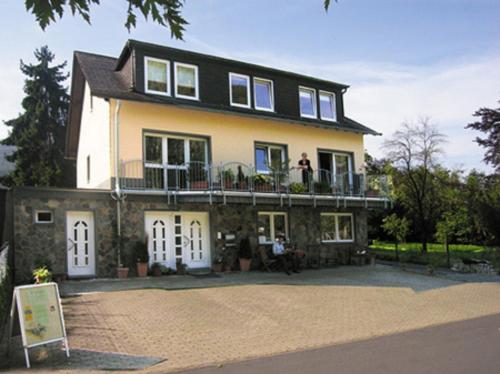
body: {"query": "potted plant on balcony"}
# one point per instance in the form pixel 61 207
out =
pixel 261 183
pixel 245 254
pixel 298 188
pixel 322 187
pixel 142 257
pixel 227 178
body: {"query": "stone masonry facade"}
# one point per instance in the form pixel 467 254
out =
pixel 38 243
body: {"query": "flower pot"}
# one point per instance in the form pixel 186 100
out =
pixel 217 268
pixel 156 271
pixel 122 272
pixel 203 185
pixel 227 268
pixel 142 269
pixel 245 264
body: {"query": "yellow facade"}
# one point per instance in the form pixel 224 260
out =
pixel 232 137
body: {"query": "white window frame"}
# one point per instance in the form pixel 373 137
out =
pixel 315 102
pixel 146 89
pixel 334 106
pixel 44 211
pixel 272 231
pixel 337 240
pixel 271 91
pixel 269 147
pixel 196 87
pixel 247 78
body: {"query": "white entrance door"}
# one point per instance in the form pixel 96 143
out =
pixel 80 244
pixel 196 243
pixel 176 236
pixel 158 231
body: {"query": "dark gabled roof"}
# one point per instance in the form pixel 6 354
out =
pixel 104 80
pixel 131 43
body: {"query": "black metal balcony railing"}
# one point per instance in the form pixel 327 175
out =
pixel 237 176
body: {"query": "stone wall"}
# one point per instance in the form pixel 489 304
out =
pixel 38 243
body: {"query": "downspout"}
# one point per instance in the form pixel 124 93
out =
pixel 118 195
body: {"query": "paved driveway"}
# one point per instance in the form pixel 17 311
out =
pixel 243 316
pixel 201 326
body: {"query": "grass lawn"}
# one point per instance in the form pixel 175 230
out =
pixel 436 253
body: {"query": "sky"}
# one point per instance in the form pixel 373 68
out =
pixel 403 59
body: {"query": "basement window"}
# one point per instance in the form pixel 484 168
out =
pixel 43 216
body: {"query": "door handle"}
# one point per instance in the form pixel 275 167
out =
pixel 72 244
pixel 186 240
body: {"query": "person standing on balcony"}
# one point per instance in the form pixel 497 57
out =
pixel 305 166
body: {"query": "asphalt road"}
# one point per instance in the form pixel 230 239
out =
pixel 466 347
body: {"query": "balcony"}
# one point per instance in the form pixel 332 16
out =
pixel 239 179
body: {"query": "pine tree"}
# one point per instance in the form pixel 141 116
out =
pixel 39 132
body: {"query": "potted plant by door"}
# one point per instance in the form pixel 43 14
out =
pixel 245 254
pixel 218 264
pixel 181 267
pixel 156 269
pixel 142 257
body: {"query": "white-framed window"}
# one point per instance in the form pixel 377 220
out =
pixel 307 100
pixel 270 225
pixel 269 156
pixel 239 90
pixel 327 107
pixel 168 157
pixel 263 94
pixel 337 227
pixel 44 216
pixel 157 76
pixel 186 81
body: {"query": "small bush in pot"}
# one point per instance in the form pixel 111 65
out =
pixel 142 257
pixel 218 265
pixel 42 275
pixel 245 254
pixel 156 269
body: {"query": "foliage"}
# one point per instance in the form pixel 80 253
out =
pixel 42 275
pixel 490 126
pixel 396 227
pixel 39 132
pixel 298 188
pixel 141 250
pixel 164 12
pixel 413 150
pixel 245 250
pixel 260 179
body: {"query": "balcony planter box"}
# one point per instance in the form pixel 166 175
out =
pixel 122 272
pixel 265 187
pixel 142 269
pixel 203 185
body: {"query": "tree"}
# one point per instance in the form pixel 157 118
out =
pixel 452 223
pixel 397 228
pixel 413 150
pixel 39 132
pixel 164 12
pixel 490 125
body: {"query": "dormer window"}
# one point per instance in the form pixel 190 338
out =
pixel 186 81
pixel 263 94
pixel 157 76
pixel 239 90
pixel 327 107
pixel 307 99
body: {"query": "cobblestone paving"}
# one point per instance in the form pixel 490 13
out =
pixel 197 327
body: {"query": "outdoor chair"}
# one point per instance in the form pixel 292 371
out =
pixel 268 263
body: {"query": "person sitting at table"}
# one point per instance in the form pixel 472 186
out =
pixel 285 256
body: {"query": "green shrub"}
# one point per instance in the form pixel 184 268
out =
pixel 298 188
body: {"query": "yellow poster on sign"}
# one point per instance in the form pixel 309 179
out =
pixel 41 314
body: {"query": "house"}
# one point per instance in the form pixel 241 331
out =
pixel 192 152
